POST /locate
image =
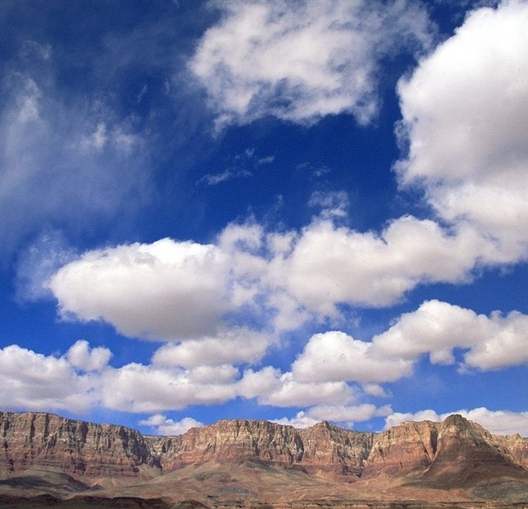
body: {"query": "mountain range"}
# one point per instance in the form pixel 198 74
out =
pixel 51 460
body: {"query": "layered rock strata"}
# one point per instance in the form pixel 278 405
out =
pixel 77 447
pixel 456 452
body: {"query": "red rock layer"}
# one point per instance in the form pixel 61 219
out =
pixel 456 452
pixel 50 441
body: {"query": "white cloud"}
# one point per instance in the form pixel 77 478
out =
pixel 213 179
pixel 168 427
pixel 375 390
pixel 171 290
pixel 343 415
pixel 140 388
pixel 233 346
pixel 289 392
pixel 242 165
pixel 32 381
pixel 300 61
pixel 84 358
pixel 165 290
pixel 151 388
pixel 330 265
pixel 40 261
pixel 333 205
pixel 256 384
pixel 83 379
pixel 301 420
pixel 499 422
pixel 465 117
pixel 349 414
pixel 323 378
pixel 97 140
pixel 335 356
pixel 437 328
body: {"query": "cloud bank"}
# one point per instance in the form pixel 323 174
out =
pixel 329 377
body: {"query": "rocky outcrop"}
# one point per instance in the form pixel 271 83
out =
pixel 232 441
pixel 455 453
pixel 467 454
pixel 322 447
pixel 332 449
pixel 77 447
pixel 408 449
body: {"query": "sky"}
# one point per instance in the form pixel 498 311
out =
pixel 291 210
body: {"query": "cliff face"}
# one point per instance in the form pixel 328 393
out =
pixel 333 449
pixel 231 441
pixel 467 453
pixel 321 448
pixel 455 453
pixel 407 449
pixel 77 447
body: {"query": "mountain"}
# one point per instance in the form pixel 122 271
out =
pixel 250 463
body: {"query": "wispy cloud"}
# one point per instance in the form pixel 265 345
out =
pixel 63 165
pixel 213 179
pixel 304 60
pixel 242 166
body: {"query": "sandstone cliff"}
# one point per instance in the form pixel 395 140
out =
pixel 50 441
pixel 455 453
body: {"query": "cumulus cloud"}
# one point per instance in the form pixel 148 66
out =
pixel 161 425
pixel 349 414
pixel 332 372
pixel 146 388
pixel 300 61
pixel 335 356
pixel 464 120
pixel 290 392
pixel 233 346
pixel 32 381
pixel 343 415
pixel 300 420
pixel 173 290
pixel 465 112
pixel 255 384
pixel 330 264
pixel 329 377
pixel 84 358
pixel 499 422
pixel 82 379
pixel 165 290
pixel 150 388
pixel 437 328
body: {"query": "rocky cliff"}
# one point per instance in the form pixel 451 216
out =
pixel 455 453
pixel 77 447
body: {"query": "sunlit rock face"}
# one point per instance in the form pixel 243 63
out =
pixel 456 453
pixel 76 447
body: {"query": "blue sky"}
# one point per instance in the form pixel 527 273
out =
pixel 289 210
